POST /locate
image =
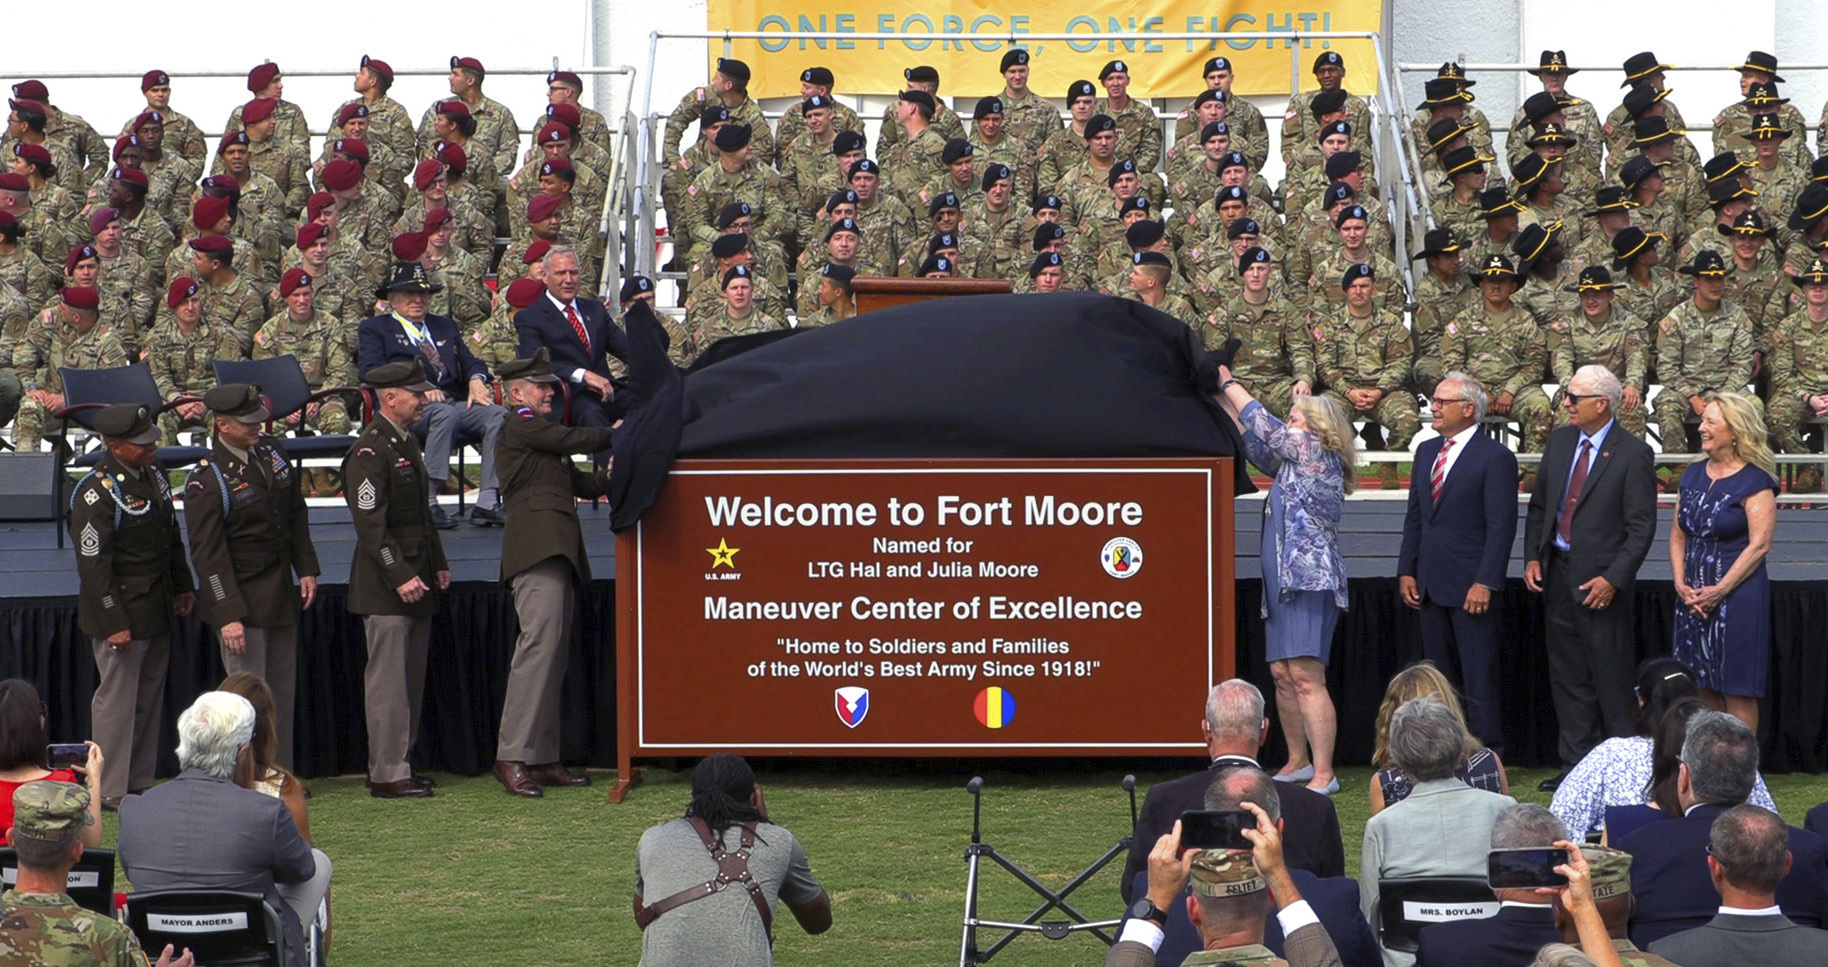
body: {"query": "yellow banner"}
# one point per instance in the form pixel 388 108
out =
pixel 968 65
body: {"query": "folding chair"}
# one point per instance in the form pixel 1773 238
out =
pixel 1407 904
pixel 283 384
pixel 87 392
pixel 221 928
pixel 91 882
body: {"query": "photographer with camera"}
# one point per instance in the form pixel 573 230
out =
pixel 26 757
pixel 714 876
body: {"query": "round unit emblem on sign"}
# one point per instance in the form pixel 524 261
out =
pixel 1121 557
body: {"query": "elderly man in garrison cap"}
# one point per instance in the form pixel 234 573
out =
pixel 43 925
pixel 249 535
pixel 134 578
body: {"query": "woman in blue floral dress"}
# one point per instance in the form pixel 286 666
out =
pixel 1304 579
pixel 1717 551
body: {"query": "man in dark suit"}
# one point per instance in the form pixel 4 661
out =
pixel 1235 728
pixel 1748 853
pixel 1333 899
pixel 1457 539
pixel 1234 893
pixel 580 336
pixel 542 556
pixel 249 535
pixel 1816 821
pixel 200 831
pixel 460 400
pixel 1670 873
pixel 1593 514
pixel 1525 919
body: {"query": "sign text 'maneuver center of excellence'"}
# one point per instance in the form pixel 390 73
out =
pixel 927 607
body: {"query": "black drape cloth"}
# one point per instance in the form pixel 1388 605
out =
pixel 473 641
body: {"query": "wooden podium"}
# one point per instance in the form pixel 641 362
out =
pixel 880 292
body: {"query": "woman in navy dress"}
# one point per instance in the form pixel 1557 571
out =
pixel 1717 552
pixel 1304 578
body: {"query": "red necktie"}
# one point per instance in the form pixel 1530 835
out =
pixel 1440 470
pixel 577 326
pixel 1564 526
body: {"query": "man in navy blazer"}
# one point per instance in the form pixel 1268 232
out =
pixel 581 359
pixel 1670 874
pixel 1748 855
pixel 1584 554
pixel 1525 919
pixel 1457 539
pixel 1334 899
pixel 1235 728
pixel 464 399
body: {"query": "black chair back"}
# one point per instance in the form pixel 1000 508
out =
pixel 91 882
pixel 1407 904
pixel 88 390
pixel 221 928
pixel 280 380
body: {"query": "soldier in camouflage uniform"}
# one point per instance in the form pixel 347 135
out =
pixel 144 232
pixel 958 179
pixel 1603 334
pixel 1142 132
pixel 455 131
pixel 260 207
pixel 379 164
pixel 232 303
pixel 732 251
pixel 183 138
pixel 738 177
pixel 54 212
pixel 1209 109
pixel 20 268
pixel 317 339
pixel 729 89
pixel 169 177
pixel 888 225
pixel 1809 220
pixel 1799 371
pixel 466 292
pixel 1776 176
pixel 124 281
pixel 1541 191
pixel 945 121
pixel 1499 212
pixel 85 144
pixel 1755 275
pixel 1647 80
pixel 1684 186
pixel 1350 248
pixel 1446 99
pixel 496 341
pixel 1579 135
pixel 1727 200
pixel 496 136
pixel 1611 214
pixel 43 925
pixel 1457 208
pixel 1363 354
pixel 735 314
pixel 1275 358
pixel 841 247
pixel 910 164
pixel 34 235
pixel 1579 116
pixel 814 236
pixel 361 233
pixel 272 156
pixel 551 162
pixel 833 298
pixel 180 350
pixel 25 129
pixel 1758 82
pixel 73 337
pixel 1500 344
pixel 1245 120
pixel 1545 271
pixel 1066 146
pixel 814 82
pixel 335 296
pixel 1646 290
pixel 993 224
pixel 1441 295
pixel 829 178
pixel 1301 125
pixel 472 230
pixel 767 259
pixel 807 161
pixel 944 215
pixel 387 120
pixel 1704 344
pixel 267 83
pixel 1029 117
pixel 992 144
pixel 214 218
pixel 1148 284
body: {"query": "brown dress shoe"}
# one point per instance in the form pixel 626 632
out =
pixel 398 789
pixel 111 804
pixel 516 779
pixel 555 774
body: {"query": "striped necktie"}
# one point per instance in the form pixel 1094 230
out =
pixel 1439 473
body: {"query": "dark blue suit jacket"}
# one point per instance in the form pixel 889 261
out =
pixel 1467 537
pixel 1817 820
pixel 1674 891
pixel 1335 902
pixel 383 341
pixel 1508 938
pixel 544 324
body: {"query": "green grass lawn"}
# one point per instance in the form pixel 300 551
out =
pixel 474 877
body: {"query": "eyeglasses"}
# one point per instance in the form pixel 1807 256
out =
pixel 1579 398
pixel 1438 401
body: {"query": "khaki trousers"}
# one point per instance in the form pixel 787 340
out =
pixel 393 690
pixel 126 711
pixel 543 597
pixel 272 654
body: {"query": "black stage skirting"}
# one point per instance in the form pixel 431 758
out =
pixel 474 639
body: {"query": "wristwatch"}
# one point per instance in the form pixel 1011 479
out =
pixel 1144 910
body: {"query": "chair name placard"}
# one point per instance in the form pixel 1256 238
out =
pixel 1446 912
pixel 197 922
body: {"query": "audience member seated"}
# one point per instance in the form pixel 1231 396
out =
pixel 1525 920
pixel 1235 728
pixel 1748 855
pixel 581 337
pixel 39 923
pixel 1444 826
pixel 260 771
pixel 683 926
pixel 22 753
pixel 1234 893
pixel 1479 766
pixel 1619 771
pixel 200 831
pixel 1670 875
pixel 1666 758
pixel 1334 899
pixel 1609 882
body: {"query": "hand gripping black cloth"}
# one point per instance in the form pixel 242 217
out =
pixel 1022 376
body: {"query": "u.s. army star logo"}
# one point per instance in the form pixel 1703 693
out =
pixel 365 495
pixel 91 541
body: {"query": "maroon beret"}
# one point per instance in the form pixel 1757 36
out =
pixel 378 66
pixel 78 254
pixel 536 251
pixel 9 226
pixel 435 218
pixel 27 105
pixel 524 292
pixel 425 171
pixel 341 175
pixel 149 117
pixel 181 288
pixel 12 181
pixel 315 205
pixel 223 182
pixel 208 210
pixel 290 282
pixel 542 207
pixel 31 90
pixel 234 138
pixel 469 64
pixel 566 114
pixel 353 147
pixel 124 142
pixel 561 77
pixel 553 166
pixel 261 76
pixel 554 131
pixel 452 155
pixel 454 107
pixel 309 233
pixel 217 245
pixel 81 297
pixel 99 218
pixel 152 79
pixel 35 154
pixel 351 111
pixel 258 109
pixel 133 176
pixel 408 246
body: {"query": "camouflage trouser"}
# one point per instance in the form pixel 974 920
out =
pixel 34 421
pixel 1633 421
pixel 673 199
pixel 1531 412
pixel 1277 395
pixel 1785 415
pixel 1396 413
pixel 11 392
pixel 170 424
pixel 332 417
pixel 1672 413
